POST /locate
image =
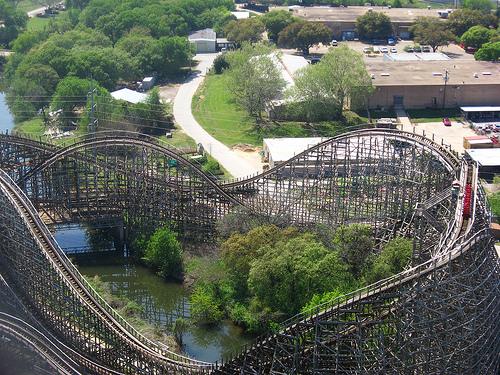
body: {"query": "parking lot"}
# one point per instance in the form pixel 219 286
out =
pixel 453 51
pixel 452 135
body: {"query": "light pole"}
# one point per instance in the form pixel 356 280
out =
pixel 446 78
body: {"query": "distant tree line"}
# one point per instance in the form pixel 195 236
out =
pixel 104 43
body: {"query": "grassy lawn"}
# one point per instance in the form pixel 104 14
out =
pixel 179 140
pixel 31 128
pixel 37 23
pixel 214 109
pixel 433 115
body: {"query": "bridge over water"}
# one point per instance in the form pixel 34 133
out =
pixel 441 315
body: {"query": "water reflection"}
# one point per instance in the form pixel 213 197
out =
pixel 6 119
pixel 163 302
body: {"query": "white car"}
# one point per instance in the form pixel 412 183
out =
pixel 394 50
pixel 334 43
pixel 384 49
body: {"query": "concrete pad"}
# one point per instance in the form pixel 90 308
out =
pixel 451 135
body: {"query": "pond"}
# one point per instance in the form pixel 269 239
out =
pixel 162 301
pixel 6 118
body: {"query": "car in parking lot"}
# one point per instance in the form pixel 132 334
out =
pixel 367 50
pixel 426 49
pixel 446 121
pixel 334 43
pixel 417 49
pixel 394 50
pixel 391 41
pixel 384 49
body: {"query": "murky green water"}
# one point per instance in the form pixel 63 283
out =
pixel 162 301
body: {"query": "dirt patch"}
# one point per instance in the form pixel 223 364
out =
pixel 169 91
pixel 246 148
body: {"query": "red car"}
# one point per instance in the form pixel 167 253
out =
pixel 446 121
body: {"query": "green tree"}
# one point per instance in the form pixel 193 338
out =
pixel 395 255
pixel 304 35
pixel 397 4
pixel 80 4
pixel 482 5
pixel 461 20
pixel 240 250
pixel 488 52
pixel 164 253
pixel 27 40
pixel 12 22
pixel 248 30
pixel 320 299
pixel 255 77
pixel 319 94
pixel 374 25
pixel 476 36
pixel 354 243
pixel 205 309
pixel 288 274
pixel 105 65
pixel 77 89
pixel 275 21
pixel 431 31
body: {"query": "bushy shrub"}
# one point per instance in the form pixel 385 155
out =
pixel 220 64
pixel 212 166
pixel 164 253
pixel 205 307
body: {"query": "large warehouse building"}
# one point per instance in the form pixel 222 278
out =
pixel 342 21
pixel 425 84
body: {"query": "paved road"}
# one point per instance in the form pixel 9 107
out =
pixel 234 162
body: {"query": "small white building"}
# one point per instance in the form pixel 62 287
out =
pixel 279 150
pixel 147 83
pixel 204 40
pixel 241 15
pixel 130 96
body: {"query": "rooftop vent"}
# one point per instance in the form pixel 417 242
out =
pixel 486 73
pixel 437 74
pixel 476 75
pixel 384 74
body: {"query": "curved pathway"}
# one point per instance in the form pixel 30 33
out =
pixel 232 161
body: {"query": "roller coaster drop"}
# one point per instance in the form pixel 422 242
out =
pixel 439 316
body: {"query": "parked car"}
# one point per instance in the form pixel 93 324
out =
pixel 470 50
pixel 417 49
pixel 315 60
pixel 334 43
pixel 391 41
pixel 384 50
pixel 408 49
pixel 446 121
pixel 367 50
pixel 426 49
pixel 394 50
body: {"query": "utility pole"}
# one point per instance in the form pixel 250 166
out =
pixel 446 78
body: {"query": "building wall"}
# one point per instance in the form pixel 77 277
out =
pixel 432 96
pixel 204 46
pixel 338 27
